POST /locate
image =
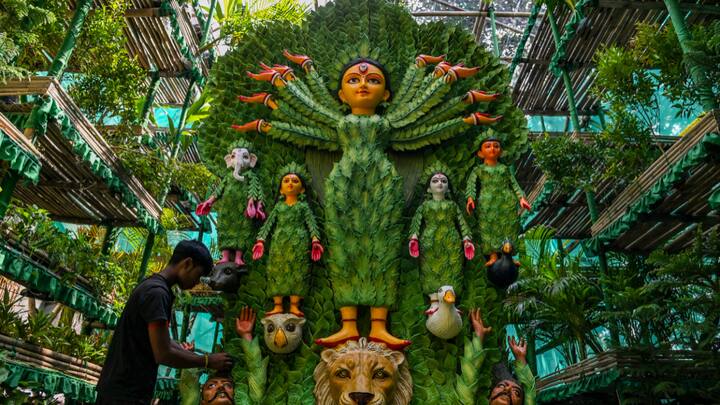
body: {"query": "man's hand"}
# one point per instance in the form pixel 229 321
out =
pixel 478 326
pixel 189 346
pixel 245 322
pixel 219 361
pixel 519 349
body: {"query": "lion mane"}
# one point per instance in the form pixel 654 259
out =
pixel 403 390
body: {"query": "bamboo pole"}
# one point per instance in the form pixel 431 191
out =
pixel 31 349
pixel 565 76
pixel 698 74
pixel 63 56
pixel 107 239
pixel 150 97
pixel 493 31
pixel 147 250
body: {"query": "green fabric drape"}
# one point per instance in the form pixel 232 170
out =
pixel 51 382
pixel 659 190
pixel 590 383
pixel 526 34
pixel 568 34
pixel 19 159
pixel 18 267
pixel 166 9
pixel 165 388
pixel 48 109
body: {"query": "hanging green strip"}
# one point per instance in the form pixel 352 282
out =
pixel 570 29
pixel 592 383
pixel 659 190
pixel 165 388
pixel 526 34
pixel 24 270
pixel 19 159
pixel 166 9
pixel 47 109
pixel 51 382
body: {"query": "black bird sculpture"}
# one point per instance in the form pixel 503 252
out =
pixel 504 271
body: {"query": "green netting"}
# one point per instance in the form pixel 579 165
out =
pixel 590 383
pixel 51 382
pixel 19 159
pixel 18 267
pixel 166 9
pixel 48 109
pixel 659 190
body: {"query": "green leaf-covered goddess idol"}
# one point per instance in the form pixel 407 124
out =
pixel 363 194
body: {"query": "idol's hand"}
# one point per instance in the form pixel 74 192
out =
pixel 204 207
pixel 258 250
pixel 470 206
pixel 469 249
pixel 414 247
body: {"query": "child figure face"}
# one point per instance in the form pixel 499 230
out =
pixel 490 150
pixel 438 184
pixel 291 185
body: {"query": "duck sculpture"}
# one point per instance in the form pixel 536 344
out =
pixel 504 271
pixel 444 319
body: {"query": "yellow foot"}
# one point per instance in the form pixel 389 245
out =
pixel 296 311
pixel 393 343
pixel 345 334
pixel 493 259
pixel 276 310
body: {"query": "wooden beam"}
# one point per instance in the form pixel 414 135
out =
pixel 145 12
pixel 440 13
pixel 657 5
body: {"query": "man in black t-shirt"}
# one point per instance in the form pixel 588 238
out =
pixel 142 340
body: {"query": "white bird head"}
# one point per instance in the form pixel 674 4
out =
pixel 446 295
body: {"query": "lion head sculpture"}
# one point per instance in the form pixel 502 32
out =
pixel 362 373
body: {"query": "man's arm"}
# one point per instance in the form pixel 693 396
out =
pixel 171 354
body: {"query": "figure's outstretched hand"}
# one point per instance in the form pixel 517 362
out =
pixel 478 326
pixel 414 247
pixel 267 75
pixel 470 206
pixel 258 98
pixel 304 61
pixel 250 210
pixel 459 71
pixel 478 118
pixel 519 349
pixel 258 250
pixel 317 250
pixel 245 322
pixel 260 211
pixel 423 60
pixel 257 126
pixel 204 207
pixel 469 249
pixel 524 204
pixel 476 96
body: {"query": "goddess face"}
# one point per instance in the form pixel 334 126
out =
pixel 291 185
pixel 363 88
pixel 218 391
pixel 438 184
pixel 506 392
pixel 490 150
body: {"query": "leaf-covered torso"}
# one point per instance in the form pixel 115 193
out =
pixel 363 213
pixel 289 242
pixel 441 254
pixel 497 204
pixel 235 231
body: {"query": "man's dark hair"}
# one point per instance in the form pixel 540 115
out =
pixel 196 251
pixel 501 373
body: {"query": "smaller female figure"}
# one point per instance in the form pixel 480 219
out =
pixel 291 229
pixel 439 235
pixel 498 197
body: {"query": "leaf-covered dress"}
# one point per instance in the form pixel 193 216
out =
pixel 235 230
pixel 441 251
pixel 292 227
pixel 363 213
pixel 497 203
